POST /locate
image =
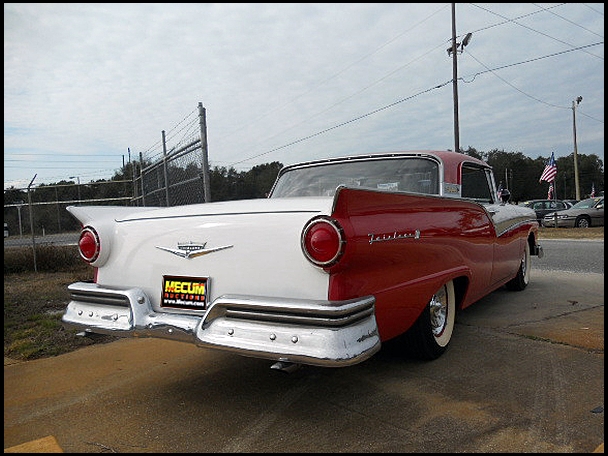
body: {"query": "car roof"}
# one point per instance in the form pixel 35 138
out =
pixel 452 161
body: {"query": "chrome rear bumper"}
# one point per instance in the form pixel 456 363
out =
pixel 324 333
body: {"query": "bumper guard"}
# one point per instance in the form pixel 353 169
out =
pixel 323 333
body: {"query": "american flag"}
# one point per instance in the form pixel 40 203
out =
pixel 550 170
pixel 550 192
pixel 592 190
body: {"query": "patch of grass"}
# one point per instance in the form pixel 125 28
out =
pixel 33 307
pixel 594 232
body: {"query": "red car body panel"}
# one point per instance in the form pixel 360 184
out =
pixel 384 256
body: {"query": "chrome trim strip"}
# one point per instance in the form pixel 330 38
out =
pixel 106 299
pixel 509 225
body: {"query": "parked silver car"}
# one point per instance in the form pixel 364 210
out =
pixel 585 213
pixel 543 207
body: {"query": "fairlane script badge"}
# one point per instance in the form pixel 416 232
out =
pixel 191 250
pixel 392 236
pixel 185 292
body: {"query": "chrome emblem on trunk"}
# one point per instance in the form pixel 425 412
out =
pixel 191 249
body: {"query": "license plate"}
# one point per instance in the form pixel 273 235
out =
pixel 185 292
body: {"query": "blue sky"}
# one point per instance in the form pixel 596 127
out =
pixel 84 84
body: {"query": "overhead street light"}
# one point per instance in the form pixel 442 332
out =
pixel 460 46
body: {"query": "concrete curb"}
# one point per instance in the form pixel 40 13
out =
pixel 46 444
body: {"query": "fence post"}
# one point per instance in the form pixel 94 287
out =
pixel 165 172
pixel 203 123
pixel 58 213
pixel 133 179
pixel 29 200
pixel 141 176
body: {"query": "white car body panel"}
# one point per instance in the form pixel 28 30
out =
pixel 134 247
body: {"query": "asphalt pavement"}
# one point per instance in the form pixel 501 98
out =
pixel 525 373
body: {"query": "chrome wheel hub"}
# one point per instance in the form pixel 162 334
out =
pixel 438 307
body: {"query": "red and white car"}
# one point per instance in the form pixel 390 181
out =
pixel 344 254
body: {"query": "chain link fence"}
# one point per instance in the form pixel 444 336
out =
pixel 179 175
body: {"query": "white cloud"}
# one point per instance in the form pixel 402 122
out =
pixel 86 81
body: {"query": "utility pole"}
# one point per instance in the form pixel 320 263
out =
pixel 576 185
pixel 455 81
pixel 453 51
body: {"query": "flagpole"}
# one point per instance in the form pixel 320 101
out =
pixel 554 199
pixel 549 174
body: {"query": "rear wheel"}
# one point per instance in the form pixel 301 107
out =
pixel 429 337
pixel 583 222
pixel 522 279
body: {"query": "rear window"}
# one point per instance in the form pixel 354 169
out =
pixel 475 184
pixel 415 174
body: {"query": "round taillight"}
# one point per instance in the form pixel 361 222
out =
pixel 88 244
pixel 323 241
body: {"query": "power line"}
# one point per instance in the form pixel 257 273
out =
pixel 493 71
pixel 334 75
pixel 532 29
pixel 406 99
pixel 569 21
pixel 375 111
